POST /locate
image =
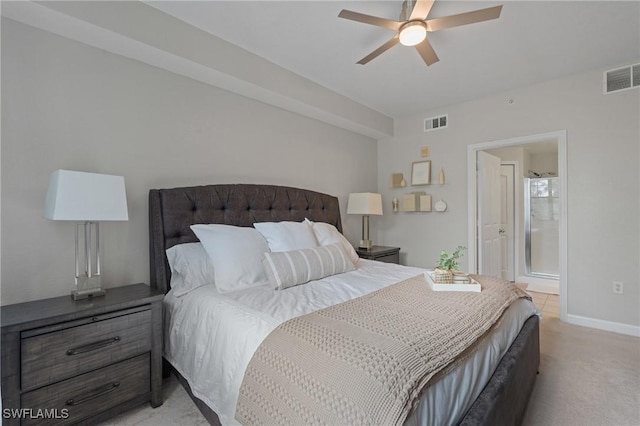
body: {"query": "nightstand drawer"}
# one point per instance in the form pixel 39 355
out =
pixel 88 394
pixel 53 353
pixel 380 253
pixel 390 258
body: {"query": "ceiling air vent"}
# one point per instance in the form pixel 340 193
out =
pixel 434 123
pixel 622 78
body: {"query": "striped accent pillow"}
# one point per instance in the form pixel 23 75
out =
pixel 289 268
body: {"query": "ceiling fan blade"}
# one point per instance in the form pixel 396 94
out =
pixel 421 9
pixel 371 20
pixel 388 45
pixel 438 24
pixel 426 51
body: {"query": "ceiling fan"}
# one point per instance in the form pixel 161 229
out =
pixel 412 28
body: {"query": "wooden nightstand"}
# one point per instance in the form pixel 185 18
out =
pixel 380 253
pixel 82 361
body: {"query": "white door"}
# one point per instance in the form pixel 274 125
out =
pixel 489 194
pixel 507 221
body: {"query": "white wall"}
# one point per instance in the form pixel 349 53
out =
pixel 603 139
pixel 545 164
pixel 138 31
pixel 67 105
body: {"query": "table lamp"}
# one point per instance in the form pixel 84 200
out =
pixel 365 203
pixel 87 199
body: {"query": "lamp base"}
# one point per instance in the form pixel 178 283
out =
pixel 88 294
pixel 87 287
pixel 365 244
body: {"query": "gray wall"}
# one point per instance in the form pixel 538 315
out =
pixel 67 105
pixel 603 137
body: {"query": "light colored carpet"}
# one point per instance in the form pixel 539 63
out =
pixel 177 409
pixel 587 377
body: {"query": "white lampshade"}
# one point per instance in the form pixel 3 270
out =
pixel 413 33
pixel 366 203
pixel 84 197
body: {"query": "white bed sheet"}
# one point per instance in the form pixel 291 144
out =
pixel 211 337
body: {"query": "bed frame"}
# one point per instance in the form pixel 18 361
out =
pixel 172 211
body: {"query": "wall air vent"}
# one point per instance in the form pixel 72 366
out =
pixel 622 78
pixel 435 123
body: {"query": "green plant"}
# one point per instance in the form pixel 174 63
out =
pixel 450 261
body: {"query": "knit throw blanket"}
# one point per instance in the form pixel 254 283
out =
pixel 365 361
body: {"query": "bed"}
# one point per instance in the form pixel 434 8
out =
pixel 501 393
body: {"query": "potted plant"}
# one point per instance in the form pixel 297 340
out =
pixel 447 265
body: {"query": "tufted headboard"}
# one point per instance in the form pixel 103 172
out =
pixel 173 211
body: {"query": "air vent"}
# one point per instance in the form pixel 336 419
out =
pixel 622 78
pixel 435 123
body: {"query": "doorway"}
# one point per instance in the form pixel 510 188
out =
pixel 477 241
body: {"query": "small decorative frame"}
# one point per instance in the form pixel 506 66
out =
pixel 425 203
pixel 411 202
pixel 421 173
pixel 397 180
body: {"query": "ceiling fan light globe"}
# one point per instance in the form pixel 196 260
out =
pixel 413 33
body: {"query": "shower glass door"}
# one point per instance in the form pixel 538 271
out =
pixel 542 227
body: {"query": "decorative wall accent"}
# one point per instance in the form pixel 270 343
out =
pixel 421 173
pixel 397 180
pixel 411 202
pixel 425 203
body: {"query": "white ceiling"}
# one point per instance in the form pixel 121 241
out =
pixel 532 41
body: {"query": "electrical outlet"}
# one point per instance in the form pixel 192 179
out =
pixel 617 287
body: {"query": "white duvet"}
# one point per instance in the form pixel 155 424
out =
pixel 211 337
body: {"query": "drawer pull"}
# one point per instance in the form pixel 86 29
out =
pixel 93 346
pixel 97 392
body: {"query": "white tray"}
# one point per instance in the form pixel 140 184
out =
pixel 473 286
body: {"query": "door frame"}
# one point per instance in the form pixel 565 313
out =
pixel 472 200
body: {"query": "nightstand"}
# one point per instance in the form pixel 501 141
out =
pixel 66 361
pixel 380 253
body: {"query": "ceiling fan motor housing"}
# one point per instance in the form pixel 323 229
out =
pixel 413 32
pixel 407 8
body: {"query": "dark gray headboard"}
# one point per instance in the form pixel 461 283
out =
pixel 173 211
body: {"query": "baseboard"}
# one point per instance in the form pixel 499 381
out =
pixel 616 327
pixel 540 285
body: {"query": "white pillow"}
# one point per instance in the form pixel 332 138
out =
pixel 328 234
pixel 287 236
pixel 190 267
pixel 289 268
pixel 236 253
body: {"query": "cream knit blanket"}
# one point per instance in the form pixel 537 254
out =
pixel 365 361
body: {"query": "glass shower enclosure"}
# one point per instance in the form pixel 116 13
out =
pixel 542 227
